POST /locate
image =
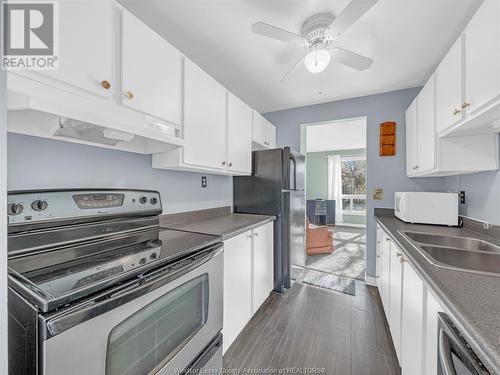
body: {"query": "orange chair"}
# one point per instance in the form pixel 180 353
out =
pixel 319 239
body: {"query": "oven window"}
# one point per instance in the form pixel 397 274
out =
pixel 153 335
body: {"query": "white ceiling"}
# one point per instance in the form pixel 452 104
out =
pixel 406 38
pixel 338 135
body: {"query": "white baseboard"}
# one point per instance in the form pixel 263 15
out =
pixel 372 281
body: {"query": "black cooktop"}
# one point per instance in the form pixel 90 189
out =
pixel 58 276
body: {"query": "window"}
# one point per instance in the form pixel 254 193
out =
pixel 353 170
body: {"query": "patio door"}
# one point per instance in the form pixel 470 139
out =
pixel 353 190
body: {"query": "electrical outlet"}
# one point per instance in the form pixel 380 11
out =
pixel 203 181
pixel 461 195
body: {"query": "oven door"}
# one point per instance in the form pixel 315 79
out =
pixel 156 326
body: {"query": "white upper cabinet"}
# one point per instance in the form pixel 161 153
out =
pixel 271 135
pixel 264 133
pixel 453 129
pixel 482 57
pixel 204 119
pixel 426 128
pixel 411 136
pixel 151 71
pixel 239 135
pixel 449 98
pixel 86 38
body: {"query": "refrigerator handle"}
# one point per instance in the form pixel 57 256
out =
pixel 293 172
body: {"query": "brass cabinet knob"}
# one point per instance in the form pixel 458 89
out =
pixel 465 105
pixel 106 84
pixel 456 111
pixel 129 94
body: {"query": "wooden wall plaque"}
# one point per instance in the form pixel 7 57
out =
pixel 388 138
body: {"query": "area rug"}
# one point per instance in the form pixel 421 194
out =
pixel 329 281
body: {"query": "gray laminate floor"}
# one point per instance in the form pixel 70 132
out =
pixel 310 327
pixel 349 257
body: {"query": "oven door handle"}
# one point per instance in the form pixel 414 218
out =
pixel 445 358
pixel 123 294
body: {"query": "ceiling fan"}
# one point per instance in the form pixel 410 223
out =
pixel 317 35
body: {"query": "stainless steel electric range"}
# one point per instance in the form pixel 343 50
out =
pixel 95 287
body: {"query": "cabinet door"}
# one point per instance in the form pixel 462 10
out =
pixel 412 322
pixel 411 139
pixel 151 71
pixel 431 334
pixel 262 265
pixel 270 135
pixel 85 53
pixel 239 135
pixel 237 286
pixel 449 88
pixel 426 127
pixel 378 264
pixel 386 275
pixel 204 119
pixel 482 56
pixel 395 288
pixel 259 130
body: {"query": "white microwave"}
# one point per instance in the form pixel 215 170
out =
pixel 427 207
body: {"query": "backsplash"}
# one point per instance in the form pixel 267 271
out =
pixel 482 194
pixel 38 163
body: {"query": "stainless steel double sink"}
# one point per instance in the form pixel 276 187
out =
pixel 454 252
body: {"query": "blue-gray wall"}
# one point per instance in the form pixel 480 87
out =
pixel 37 163
pixel 482 194
pixel 387 172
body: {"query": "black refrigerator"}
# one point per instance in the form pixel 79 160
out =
pixel 277 187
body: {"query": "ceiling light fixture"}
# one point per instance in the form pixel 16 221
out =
pixel 317 60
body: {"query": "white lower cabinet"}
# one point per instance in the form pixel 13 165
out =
pixel 248 278
pixel 412 322
pixel 385 274
pixel 237 286
pixel 410 308
pixel 432 308
pixel 378 264
pixel 262 265
pixel 395 297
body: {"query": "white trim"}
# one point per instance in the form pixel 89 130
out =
pixel 371 281
pixel 352 225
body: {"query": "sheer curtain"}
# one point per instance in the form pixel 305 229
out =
pixel 335 185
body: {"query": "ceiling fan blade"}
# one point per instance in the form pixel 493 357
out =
pixel 351 13
pixel 287 74
pixel 351 59
pixel 276 33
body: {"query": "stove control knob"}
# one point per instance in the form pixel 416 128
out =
pixel 39 205
pixel 153 256
pixel 15 208
pixel 142 261
pixel 153 201
pixel 143 200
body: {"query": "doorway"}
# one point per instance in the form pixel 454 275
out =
pixel 336 168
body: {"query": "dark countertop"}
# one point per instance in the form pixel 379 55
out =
pixel 222 224
pixel 472 300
